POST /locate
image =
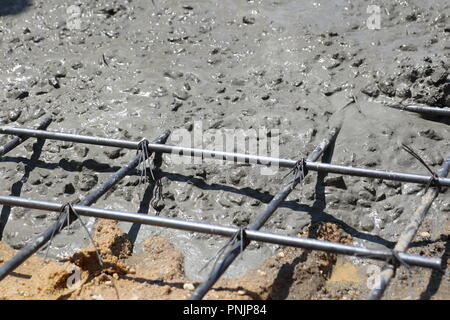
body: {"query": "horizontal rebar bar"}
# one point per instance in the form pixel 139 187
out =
pixel 424 110
pixel 376 174
pixel 229 156
pixel 388 272
pixel 54 229
pixel 201 227
pixel 236 248
pixel 19 140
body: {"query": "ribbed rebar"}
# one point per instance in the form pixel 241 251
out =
pixel 54 229
pixel 229 156
pixel 236 248
pixel 19 140
pixel 432 111
pixel 388 271
pixel 206 228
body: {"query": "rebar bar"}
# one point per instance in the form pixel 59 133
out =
pixel 237 247
pixel 19 140
pixel 423 110
pixel 206 228
pixel 229 156
pixel 388 271
pixel 91 198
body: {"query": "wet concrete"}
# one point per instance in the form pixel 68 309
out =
pixel 133 69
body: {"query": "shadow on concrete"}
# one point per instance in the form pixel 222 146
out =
pixel 16 189
pixel 286 275
pixel 13 7
pixel 437 276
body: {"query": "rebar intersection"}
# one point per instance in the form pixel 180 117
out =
pixel 251 233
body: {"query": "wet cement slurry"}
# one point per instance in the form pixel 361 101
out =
pixel 129 70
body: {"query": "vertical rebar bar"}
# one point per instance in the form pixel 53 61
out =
pixel 19 140
pixel 236 248
pixel 388 271
pixel 92 197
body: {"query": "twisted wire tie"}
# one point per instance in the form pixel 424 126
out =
pixel 299 172
pixel 64 213
pixel 146 158
pixel 239 235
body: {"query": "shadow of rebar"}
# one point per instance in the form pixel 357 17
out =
pixel 285 277
pixel 317 210
pixel 144 206
pixel 264 197
pixel 437 275
pixel 13 7
pixel 432 118
pixel 16 188
pixel 70 166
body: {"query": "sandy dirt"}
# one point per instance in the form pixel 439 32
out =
pixel 158 273
pixel 132 69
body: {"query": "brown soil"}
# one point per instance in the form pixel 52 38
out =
pixel 158 273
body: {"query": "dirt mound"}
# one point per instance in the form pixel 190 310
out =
pixel 157 273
